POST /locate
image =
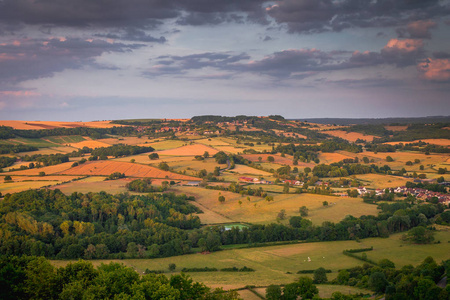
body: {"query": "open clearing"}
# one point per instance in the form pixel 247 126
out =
pixel 377 181
pixel 241 169
pixel 273 263
pixel 258 210
pixel 15 187
pixel 47 170
pixel 90 144
pixel 94 184
pixel 167 144
pixel 350 136
pixel 105 168
pixel 329 158
pixel 189 150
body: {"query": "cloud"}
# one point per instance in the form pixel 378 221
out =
pixel 181 64
pixel 293 63
pixel 403 52
pixel 437 70
pixel 119 13
pixel 418 29
pixel 26 59
pixel 133 34
pixel 313 16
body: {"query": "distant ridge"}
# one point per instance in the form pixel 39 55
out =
pixel 396 121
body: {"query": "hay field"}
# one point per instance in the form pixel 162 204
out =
pixel 241 169
pixel 106 167
pixel 50 150
pixel 192 166
pixel 377 181
pixel 258 210
pixel 94 184
pixel 35 125
pixel 90 144
pixel 15 187
pixel 60 178
pixel 189 150
pixel 329 158
pixel 350 136
pixel 400 159
pixel 56 169
pixel 167 144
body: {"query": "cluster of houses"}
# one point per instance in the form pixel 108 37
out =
pixel 417 192
pixel 254 180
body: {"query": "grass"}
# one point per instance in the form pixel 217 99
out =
pixel 94 184
pixel 258 210
pixel 167 144
pixel 272 264
pixel 39 143
pixel 66 139
pixel 15 187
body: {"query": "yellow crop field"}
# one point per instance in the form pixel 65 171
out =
pixel 94 184
pixel 19 186
pixel 50 150
pixel 377 181
pixel 90 144
pixel 329 158
pixel 192 165
pixel 242 169
pixel 189 150
pixel 350 136
pixel 167 144
pixel 47 170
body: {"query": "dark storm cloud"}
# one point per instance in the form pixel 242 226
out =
pixel 133 34
pixel 143 13
pixel 31 59
pixel 313 16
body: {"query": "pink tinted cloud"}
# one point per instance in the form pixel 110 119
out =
pixel 405 46
pixel 435 69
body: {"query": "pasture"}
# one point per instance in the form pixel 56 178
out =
pixel 259 211
pixel 189 150
pixel 279 264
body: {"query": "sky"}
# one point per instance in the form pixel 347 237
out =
pixel 84 60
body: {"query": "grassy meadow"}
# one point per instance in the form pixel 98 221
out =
pixel 279 264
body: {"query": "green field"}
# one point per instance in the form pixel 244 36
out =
pixel 167 144
pixel 258 210
pixel 65 139
pixel 273 264
pixel 40 143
